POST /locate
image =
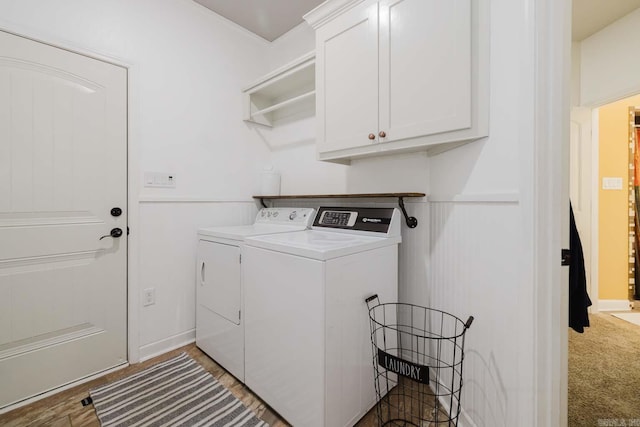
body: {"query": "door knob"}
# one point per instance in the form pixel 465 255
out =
pixel 382 134
pixel 372 136
pixel 115 233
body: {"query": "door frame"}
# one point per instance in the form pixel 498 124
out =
pixel 546 197
pixel 592 184
pixel 133 173
pixel 595 190
pixel 595 211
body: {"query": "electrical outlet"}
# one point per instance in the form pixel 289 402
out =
pixel 149 297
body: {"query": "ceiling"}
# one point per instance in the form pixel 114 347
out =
pixel 267 18
pixel 590 16
pixel 272 18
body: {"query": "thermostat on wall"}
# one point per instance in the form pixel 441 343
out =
pixel 159 179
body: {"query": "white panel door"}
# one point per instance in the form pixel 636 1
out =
pixel 347 79
pixel 425 67
pixel 63 167
pixel 580 181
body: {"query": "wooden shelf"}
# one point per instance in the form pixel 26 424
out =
pixel 285 92
pixel 411 221
pixel 340 196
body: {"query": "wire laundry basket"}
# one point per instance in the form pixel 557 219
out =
pixel 417 360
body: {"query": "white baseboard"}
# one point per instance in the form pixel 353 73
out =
pixel 464 420
pixel 157 348
pixel 613 305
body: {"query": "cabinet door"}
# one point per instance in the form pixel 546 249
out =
pixel 347 79
pixel 425 67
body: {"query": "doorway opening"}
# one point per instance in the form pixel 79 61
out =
pixel 604 160
pixel 634 206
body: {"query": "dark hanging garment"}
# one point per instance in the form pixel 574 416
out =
pixel 578 298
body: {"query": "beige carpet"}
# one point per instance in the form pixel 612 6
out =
pixel 604 373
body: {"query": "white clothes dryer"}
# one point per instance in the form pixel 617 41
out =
pixel 308 350
pixel 219 288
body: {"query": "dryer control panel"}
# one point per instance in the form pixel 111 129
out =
pixel 379 221
pixel 292 216
pixel 338 218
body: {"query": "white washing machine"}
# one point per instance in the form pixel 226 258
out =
pixel 219 289
pixel 308 349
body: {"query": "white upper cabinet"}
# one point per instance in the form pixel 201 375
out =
pixel 399 75
pixel 347 51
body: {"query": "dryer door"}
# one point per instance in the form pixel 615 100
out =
pixel 219 279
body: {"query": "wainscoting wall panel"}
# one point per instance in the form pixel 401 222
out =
pixel 473 270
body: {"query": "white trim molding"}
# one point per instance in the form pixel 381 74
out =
pixel 157 348
pixel 614 305
pixel 513 197
pixel 328 10
pixel 133 222
pixel 549 189
pixel 595 210
pixel 190 199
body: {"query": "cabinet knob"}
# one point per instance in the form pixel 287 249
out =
pixel 382 134
pixel 372 136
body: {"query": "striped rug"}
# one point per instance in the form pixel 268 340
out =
pixel 178 392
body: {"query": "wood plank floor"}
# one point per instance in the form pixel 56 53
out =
pixel 64 409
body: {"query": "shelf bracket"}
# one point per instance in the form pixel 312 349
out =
pixel 262 203
pixel 411 221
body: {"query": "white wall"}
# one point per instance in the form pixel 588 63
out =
pixel 576 49
pixel 187 66
pixel 610 63
pixel 291 45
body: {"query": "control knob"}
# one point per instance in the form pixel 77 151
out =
pixel 293 215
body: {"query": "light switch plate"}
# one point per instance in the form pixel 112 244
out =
pixel 611 183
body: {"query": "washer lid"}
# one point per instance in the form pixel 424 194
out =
pixel 268 221
pixel 240 232
pixel 320 245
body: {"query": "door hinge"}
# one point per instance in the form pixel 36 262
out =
pixel 240 258
pixel 239 314
pixel 566 257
